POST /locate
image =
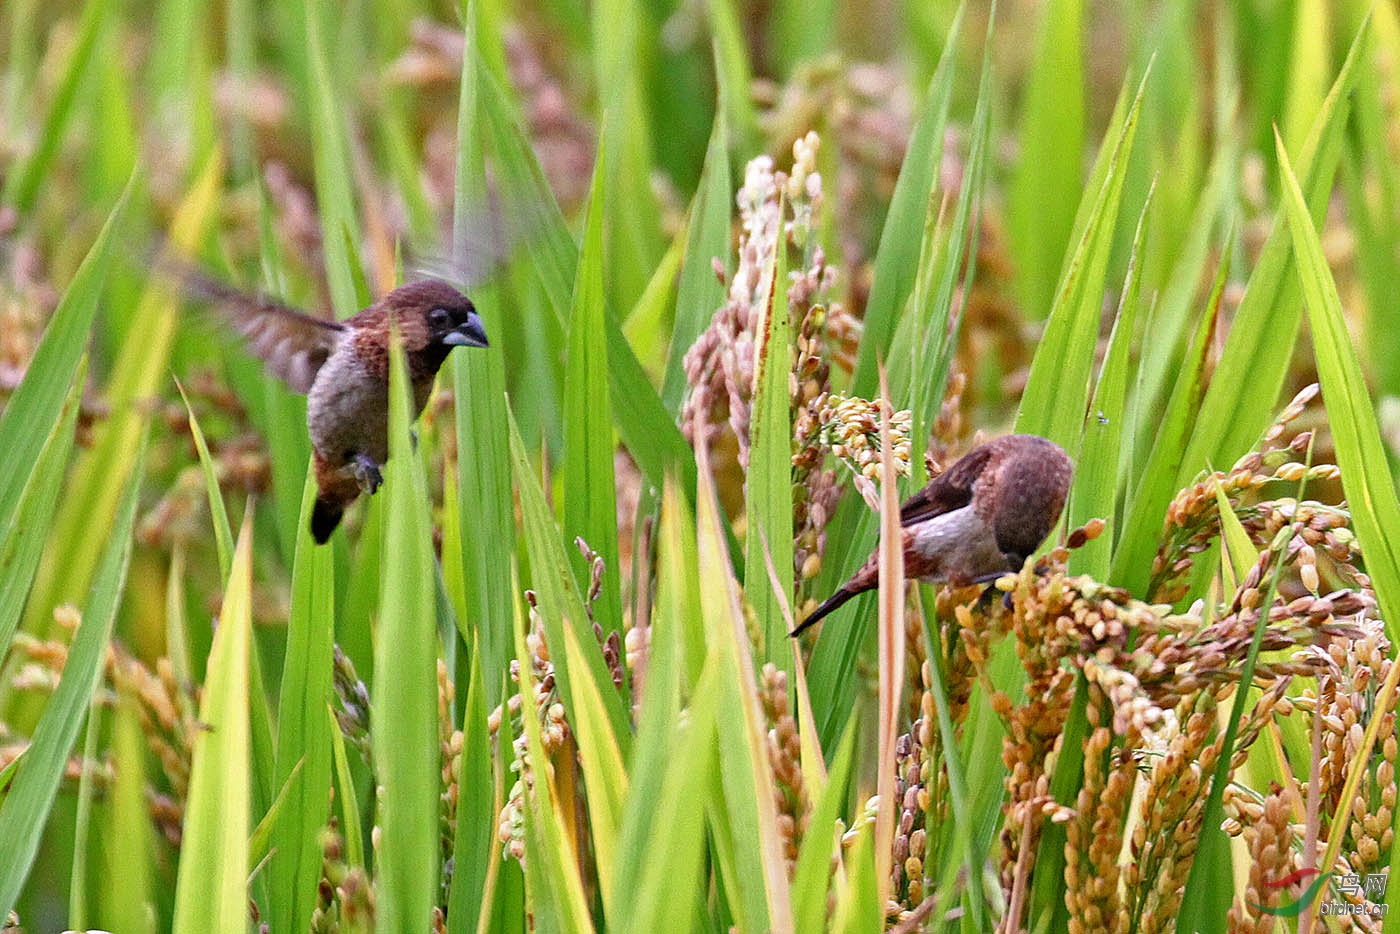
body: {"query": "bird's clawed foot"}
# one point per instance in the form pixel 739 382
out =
pixel 984 602
pixel 366 473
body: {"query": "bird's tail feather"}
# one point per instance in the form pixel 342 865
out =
pixel 833 602
pixel 325 516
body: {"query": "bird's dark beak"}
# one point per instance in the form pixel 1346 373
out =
pixel 469 333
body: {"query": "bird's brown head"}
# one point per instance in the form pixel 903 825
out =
pixel 432 318
pixel 448 318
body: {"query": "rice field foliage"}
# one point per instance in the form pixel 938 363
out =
pixel 751 274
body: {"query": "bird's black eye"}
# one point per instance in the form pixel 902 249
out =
pixel 440 318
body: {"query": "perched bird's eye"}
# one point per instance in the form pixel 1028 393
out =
pixel 440 318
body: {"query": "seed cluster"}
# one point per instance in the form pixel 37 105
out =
pixel 1270 838
pixel 720 365
pixel 785 759
pixel 920 790
pixel 1157 681
pixel 345 895
pixel 850 428
pixel 610 642
pixel 556 736
pixel 1193 519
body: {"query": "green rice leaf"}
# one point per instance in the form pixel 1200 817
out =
pixel 1204 902
pixel 330 152
pixel 935 330
pixel 646 427
pixel 211 890
pixel 78 910
pixel 485 505
pixel 26 807
pixel 768 480
pixel 1095 490
pixel 559 600
pixel 554 889
pixel 223 531
pixel 669 753
pixel 733 73
pixel 590 494
pixel 1168 328
pixel 1047 887
pixel 1245 387
pixel 747 819
pixel 1366 478
pixel 699 293
pixel 100 473
pixel 822 840
pixel 476 857
pixel 669 844
pixel 897 259
pixel 622 47
pixel 1308 68
pixel 604 774
pixel 126 887
pixel 1147 506
pixel 1057 390
pixel 25 528
pixel 303 734
pixel 1046 186
pixel 261 717
pixel 345 794
pixel 1371 182
pixel 35 406
pixel 24 182
pixel 260 841
pixel 404 715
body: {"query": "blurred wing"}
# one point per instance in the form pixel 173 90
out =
pixel 950 490
pixel 485 238
pixel 292 344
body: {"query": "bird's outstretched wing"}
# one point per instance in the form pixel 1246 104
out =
pixel 292 343
pixel 950 490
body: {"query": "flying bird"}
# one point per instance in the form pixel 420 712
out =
pixel 343 367
pixel 980 518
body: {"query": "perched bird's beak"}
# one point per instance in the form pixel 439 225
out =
pixel 468 334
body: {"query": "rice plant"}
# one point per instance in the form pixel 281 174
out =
pixel 752 275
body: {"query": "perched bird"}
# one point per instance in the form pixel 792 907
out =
pixel 343 367
pixel 978 519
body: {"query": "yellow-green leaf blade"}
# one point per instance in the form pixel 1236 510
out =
pixel 211 889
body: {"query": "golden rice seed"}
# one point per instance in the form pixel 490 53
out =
pixel 1001 704
pixel 1368 851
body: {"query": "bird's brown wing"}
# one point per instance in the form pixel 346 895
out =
pixel 950 490
pixel 292 343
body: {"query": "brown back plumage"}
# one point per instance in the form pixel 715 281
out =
pixel 1017 485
